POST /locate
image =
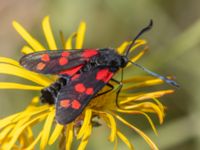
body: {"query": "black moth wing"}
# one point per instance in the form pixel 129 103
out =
pixel 56 61
pixel 75 96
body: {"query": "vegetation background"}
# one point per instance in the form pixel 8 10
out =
pixel 174 45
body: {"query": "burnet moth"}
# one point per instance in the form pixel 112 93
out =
pixel 82 74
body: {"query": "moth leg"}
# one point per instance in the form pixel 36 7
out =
pixel 118 90
pixel 111 88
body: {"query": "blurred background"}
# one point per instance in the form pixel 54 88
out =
pixel 174 45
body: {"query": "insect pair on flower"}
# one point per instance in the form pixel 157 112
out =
pixel 82 74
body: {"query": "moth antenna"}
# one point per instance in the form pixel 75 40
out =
pixel 147 28
pixel 168 81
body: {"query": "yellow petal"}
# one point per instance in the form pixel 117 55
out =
pixel 34 103
pixel 33 110
pixel 48 33
pixel 162 108
pixel 121 49
pixel 46 130
pixel 16 134
pixel 5 131
pixel 116 144
pixel 125 140
pixel 8 120
pixel 62 38
pixel 86 122
pixel 27 37
pixel 69 135
pixel 110 122
pixel 32 145
pixel 80 35
pixel 30 134
pixel 20 72
pixel 139 55
pixel 56 133
pixel 87 133
pixel 9 61
pixel 144 96
pixel 84 140
pixel 24 140
pixel 147 105
pixel 142 84
pixel 27 50
pixel 10 85
pixel 19 123
pixel 68 44
pixel 137 79
pixel 140 112
pixel 142 134
pixel 137 44
pixel 155 94
pixel 113 127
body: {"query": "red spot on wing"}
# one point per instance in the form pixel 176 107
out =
pixel 101 74
pixel 71 71
pixel 108 77
pixel 45 58
pixel 89 53
pixel 89 91
pixel 40 66
pixel 76 76
pixel 76 104
pixel 63 61
pixel 104 75
pixel 65 103
pixel 80 87
pixel 65 54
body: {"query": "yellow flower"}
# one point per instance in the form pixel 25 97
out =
pixel 16 131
